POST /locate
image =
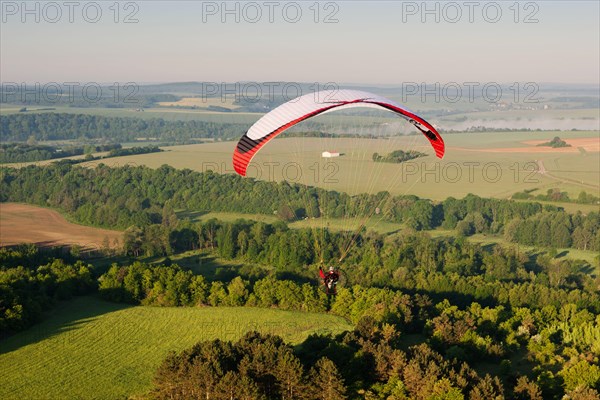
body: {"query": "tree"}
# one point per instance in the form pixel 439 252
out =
pixel 286 213
pixel 217 294
pixel 465 228
pixel 226 242
pixel 235 386
pixel 582 393
pixel 106 250
pixel 237 292
pixel 242 242
pixel 133 241
pixel 527 390
pixel 444 390
pixel 328 383
pixel 582 238
pixel 511 230
pixel 487 388
pixel 581 374
pixel 290 377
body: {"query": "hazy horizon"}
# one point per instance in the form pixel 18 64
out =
pixel 371 43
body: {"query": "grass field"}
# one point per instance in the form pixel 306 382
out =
pixel 91 349
pixel 22 223
pixel 468 167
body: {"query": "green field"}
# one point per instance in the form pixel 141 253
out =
pixel 90 349
pixel 468 166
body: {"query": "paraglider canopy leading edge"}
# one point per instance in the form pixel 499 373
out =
pixel 310 105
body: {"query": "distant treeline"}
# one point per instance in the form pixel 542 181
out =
pixel 114 96
pixel 320 134
pixel 556 195
pixel 57 126
pixel 398 156
pixel 115 152
pixel 141 196
pixel 130 151
pixel 21 152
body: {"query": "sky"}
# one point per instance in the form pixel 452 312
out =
pixel 380 42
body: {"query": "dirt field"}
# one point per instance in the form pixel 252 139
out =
pixel 21 223
pixel 591 145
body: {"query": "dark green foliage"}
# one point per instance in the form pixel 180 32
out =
pixel 255 367
pixel 25 293
pixel 398 156
pixel 30 256
pixel 137 196
pixel 21 152
pixel 551 324
pixel 557 196
pixel 465 303
pixel 556 142
pixel 133 151
pixel 57 126
pixel 154 285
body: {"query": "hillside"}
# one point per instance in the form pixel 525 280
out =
pixel 92 349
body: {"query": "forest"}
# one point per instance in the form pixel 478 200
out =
pixel 139 196
pixel 62 126
pixel 429 341
pixel 556 194
pixel 434 317
pixel 21 152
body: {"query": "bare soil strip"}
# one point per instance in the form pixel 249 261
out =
pixel 22 223
pixel 591 145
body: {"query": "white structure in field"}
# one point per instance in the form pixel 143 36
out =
pixel 329 154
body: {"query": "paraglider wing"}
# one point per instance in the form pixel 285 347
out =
pixel 310 105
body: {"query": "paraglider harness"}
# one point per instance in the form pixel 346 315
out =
pixel 330 279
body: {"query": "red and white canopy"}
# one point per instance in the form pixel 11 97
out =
pixel 310 105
